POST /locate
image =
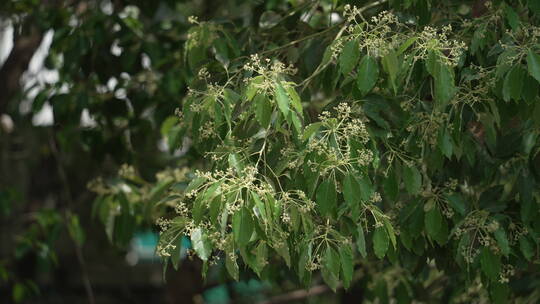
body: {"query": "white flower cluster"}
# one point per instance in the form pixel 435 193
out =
pixel 378 37
pixel 334 143
pixel 505 274
pixel 438 41
pixel 164 250
pixel 163 223
pixel 269 71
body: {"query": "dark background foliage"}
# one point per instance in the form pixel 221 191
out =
pixel 129 65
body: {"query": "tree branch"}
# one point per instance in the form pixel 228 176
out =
pixel 297 295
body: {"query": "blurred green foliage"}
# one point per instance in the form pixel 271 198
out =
pixel 393 152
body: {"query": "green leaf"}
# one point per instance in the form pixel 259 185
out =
pixel 195 184
pixel 330 278
pixel 456 201
pixel 390 185
pixel 346 255
pixel 293 118
pixel 526 248
pixel 366 188
pixel 380 242
pixel 351 190
pixel 490 264
pixel 412 179
pixel 502 241
pixel 332 261
pixel 311 129
pixel 361 241
pixel 252 88
pixel 530 89
pixel 242 226
pixel 198 209
pixel 167 124
pixel 282 248
pixel 75 230
pixel 236 162
pixel 282 99
pixel 201 244
pixel 433 221
pixel 442 236
pixel 499 293
pixel 368 73
pixel 390 231
pixel 326 197
pixel 295 99
pixel 261 257
pixel 443 80
pixel 260 207
pixel 513 84
pixel 533 64
pixel 512 17
pixel 230 260
pixel 18 293
pixel 349 57
pixel 445 143
pixel 263 109
pixel 391 66
pixel 304 259
pixel 402 48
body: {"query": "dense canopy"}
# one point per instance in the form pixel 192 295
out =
pixel 389 147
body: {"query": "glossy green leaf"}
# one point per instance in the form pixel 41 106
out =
pixel 533 64
pixel 513 84
pixel 380 242
pixel 282 99
pixel 512 17
pixel 433 221
pixel 402 48
pixel 230 261
pixel 282 249
pixel 326 197
pixel 361 241
pixel 502 241
pixel 526 248
pixel 490 263
pixel 366 187
pixel 351 189
pixel 243 226
pixel 412 179
pixel 261 257
pixel 444 87
pixel 368 73
pixel 332 260
pixel 201 244
pixel 391 66
pixel 347 266
pixel 330 278
pixel 391 232
pixel 311 129
pixel 349 56
pixel 75 230
pixel 295 99
pixel 456 202
pixel 263 110
pixel 390 184
pixel 445 143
